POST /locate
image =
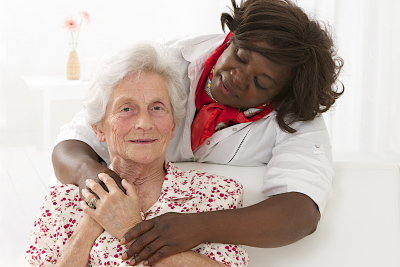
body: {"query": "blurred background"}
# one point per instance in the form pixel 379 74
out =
pixel 363 125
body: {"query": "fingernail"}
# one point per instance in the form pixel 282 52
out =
pixel 124 256
pixel 145 263
pixel 122 241
pixel 87 181
pixel 132 262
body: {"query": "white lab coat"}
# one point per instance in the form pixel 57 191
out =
pixel 299 162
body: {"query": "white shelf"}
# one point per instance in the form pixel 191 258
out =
pixel 54 88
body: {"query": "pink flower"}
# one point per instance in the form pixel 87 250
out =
pixel 70 24
pixel 85 16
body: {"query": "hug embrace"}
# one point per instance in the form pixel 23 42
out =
pixel 251 97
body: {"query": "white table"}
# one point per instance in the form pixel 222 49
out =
pixel 54 88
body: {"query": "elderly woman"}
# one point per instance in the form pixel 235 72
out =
pixel 256 96
pixel 134 104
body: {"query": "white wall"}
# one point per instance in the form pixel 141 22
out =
pixel 32 42
pixel 363 125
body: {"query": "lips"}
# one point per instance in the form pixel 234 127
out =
pixel 143 141
pixel 225 88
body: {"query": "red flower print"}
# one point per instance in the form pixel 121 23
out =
pixel 192 191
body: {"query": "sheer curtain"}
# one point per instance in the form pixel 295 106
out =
pixel 364 124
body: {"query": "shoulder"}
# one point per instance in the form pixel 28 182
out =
pixel 64 191
pixel 61 198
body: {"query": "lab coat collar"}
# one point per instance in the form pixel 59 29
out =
pixel 202 47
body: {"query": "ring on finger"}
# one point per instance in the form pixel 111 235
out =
pixel 92 203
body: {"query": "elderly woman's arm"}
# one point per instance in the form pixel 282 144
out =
pixel 77 248
pixel 74 162
pixel 60 230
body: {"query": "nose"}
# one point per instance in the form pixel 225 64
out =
pixel 240 78
pixel 144 121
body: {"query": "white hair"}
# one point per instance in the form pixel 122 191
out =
pixel 139 57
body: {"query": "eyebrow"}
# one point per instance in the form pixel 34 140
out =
pixel 122 100
pixel 270 78
pixel 266 75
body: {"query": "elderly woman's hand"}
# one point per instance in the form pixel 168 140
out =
pixel 115 211
pixel 92 172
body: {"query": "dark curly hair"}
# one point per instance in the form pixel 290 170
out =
pixel 304 45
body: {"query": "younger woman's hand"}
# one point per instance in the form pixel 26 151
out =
pixel 163 236
pixel 115 211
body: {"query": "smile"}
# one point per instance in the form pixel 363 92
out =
pixel 143 141
pixel 226 90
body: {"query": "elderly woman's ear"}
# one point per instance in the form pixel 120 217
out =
pixel 99 133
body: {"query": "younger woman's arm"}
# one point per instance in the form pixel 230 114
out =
pixel 74 162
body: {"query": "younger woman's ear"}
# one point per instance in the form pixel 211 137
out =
pixel 99 133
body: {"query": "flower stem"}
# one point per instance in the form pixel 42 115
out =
pixel 79 31
pixel 72 36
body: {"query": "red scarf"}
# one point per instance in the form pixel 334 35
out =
pixel 213 116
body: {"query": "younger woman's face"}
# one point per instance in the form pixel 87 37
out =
pixel 244 79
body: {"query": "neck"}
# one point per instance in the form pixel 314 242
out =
pixel 147 178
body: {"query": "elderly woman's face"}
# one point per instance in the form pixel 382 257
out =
pixel 139 124
pixel 245 79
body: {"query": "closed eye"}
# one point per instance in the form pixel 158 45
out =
pixel 238 58
pixel 258 84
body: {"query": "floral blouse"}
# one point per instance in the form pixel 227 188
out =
pixel 183 192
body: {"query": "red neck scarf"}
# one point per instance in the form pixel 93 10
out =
pixel 213 116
